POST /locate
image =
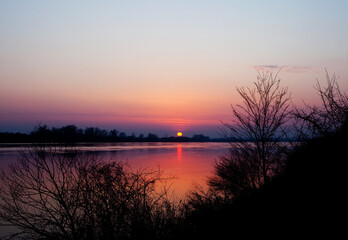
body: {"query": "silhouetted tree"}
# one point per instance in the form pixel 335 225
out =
pixel 123 135
pixel 60 193
pixel 200 138
pixel 258 126
pixel 152 137
pixel 113 133
pixel 68 133
pixel 323 120
pixel 42 133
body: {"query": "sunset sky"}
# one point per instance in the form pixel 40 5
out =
pixel 159 66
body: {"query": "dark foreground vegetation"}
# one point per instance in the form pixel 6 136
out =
pixel 306 200
pixel 263 188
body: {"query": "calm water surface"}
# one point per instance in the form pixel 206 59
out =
pixel 189 163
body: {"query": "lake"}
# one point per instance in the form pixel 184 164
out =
pixel 189 162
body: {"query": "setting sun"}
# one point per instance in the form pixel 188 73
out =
pixel 179 134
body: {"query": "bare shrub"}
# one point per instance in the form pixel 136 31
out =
pixel 256 134
pixel 327 118
pixel 60 193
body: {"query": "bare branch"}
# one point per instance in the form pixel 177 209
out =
pixel 60 193
pixel 257 130
pixel 316 121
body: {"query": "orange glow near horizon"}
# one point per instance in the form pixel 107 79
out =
pixel 179 134
pixel 173 66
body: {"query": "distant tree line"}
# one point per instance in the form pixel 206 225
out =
pixel 72 134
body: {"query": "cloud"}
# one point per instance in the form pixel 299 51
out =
pixel 283 68
pixel 266 67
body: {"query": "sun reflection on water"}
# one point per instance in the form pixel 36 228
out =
pixel 179 152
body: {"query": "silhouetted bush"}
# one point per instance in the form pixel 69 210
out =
pixel 60 193
pixel 259 125
pixel 327 118
pixel 306 199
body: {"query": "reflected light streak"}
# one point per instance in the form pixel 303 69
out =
pixel 179 152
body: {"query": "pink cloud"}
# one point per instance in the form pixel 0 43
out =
pixel 284 68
